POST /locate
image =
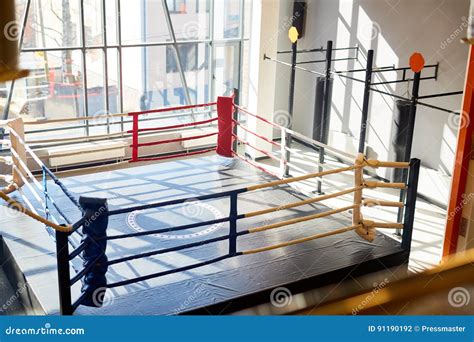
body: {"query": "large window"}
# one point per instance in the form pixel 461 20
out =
pixel 92 57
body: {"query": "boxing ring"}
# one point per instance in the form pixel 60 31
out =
pixel 206 231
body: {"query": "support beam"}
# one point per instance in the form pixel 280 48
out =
pixel 462 163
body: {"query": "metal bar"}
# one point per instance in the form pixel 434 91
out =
pixel 311 62
pixel 350 78
pixel 366 101
pixel 321 49
pixel 403 80
pixel 374 70
pixel 430 66
pixel 438 108
pixel 233 216
pixel 236 119
pixel 145 44
pixel 265 57
pixel 389 94
pixel 172 109
pixel 325 117
pixel 64 282
pixel 143 119
pixel 106 64
pixel 178 56
pixel 441 95
pixel 291 104
pixel 323 60
pixel 84 66
pixel 409 141
pixel 119 57
pixel 135 138
pixel 410 204
pixel 211 47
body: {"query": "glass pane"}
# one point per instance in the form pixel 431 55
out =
pixel 226 73
pixel 248 18
pixel 143 21
pixel 245 75
pixel 53 90
pixel 20 6
pixel 53 23
pixel 113 80
pixel 4 90
pixel 95 82
pixel 195 62
pixel 227 19
pixel 190 18
pixel 112 22
pixel 113 91
pixel 149 80
pixel 93 22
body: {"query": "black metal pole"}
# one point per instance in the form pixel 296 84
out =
pixel 291 102
pixel 323 137
pixel 236 118
pixel 233 224
pixel 64 276
pixel 410 203
pixel 409 136
pixel 365 103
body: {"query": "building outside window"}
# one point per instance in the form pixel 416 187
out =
pixel 87 60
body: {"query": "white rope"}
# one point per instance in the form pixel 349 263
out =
pixel 27 148
pixel 6 178
pixel 27 183
pixel 25 169
pixel 6 160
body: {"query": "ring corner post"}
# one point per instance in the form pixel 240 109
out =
pixel 96 212
pixel 64 276
pixel 410 203
pixel 225 114
pixel 20 155
pixel 135 137
pixel 235 117
pixel 366 100
pixel 233 224
pixel 409 135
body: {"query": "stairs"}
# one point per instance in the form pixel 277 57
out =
pixel 10 303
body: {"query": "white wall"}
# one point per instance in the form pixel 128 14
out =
pixel 394 29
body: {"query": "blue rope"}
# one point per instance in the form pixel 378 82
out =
pixel 62 187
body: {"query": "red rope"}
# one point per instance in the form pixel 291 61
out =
pixel 257 135
pixel 154 143
pixel 254 165
pixel 257 117
pixel 173 156
pixel 171 109
pixel 163 128
pixel 256 148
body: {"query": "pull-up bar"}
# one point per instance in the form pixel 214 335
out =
pixel 416 66
pixel 321 49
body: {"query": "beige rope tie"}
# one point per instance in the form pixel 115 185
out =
pixel 19 207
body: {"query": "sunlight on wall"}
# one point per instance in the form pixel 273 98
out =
pixel 448 145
